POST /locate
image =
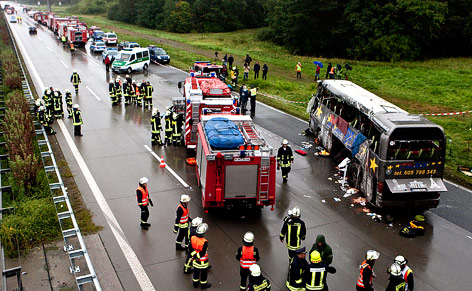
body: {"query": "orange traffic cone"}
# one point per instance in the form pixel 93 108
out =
pixel 162 165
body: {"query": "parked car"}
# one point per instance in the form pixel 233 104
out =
pixel 158 55
pixel 97 35
pixel 110 51
pixel 32 30
pixel 97 46
pixel 110 38
pixel 13 19
pixel 128 45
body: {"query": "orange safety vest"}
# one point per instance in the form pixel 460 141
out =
pixel 360 280
pixel 247 259
pixel 197 245
pixel 184 217
pixel 145 193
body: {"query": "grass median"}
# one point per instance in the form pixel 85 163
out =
pixel 431 86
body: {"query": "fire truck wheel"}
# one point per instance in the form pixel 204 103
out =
pixel 145 67
pixel 129 70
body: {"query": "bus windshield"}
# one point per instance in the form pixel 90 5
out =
pixel 416 144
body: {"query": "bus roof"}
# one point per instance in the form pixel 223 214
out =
pixel 367 102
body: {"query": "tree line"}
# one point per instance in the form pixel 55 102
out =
pixel 385 30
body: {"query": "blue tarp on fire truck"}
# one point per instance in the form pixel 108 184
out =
pixel 223 133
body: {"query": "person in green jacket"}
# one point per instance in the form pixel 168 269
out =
pixel 324 249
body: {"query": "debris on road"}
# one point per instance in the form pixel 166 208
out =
pixel 301 152
pixel 336 199
pixel 350 191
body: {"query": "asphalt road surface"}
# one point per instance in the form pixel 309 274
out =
pixel 112 155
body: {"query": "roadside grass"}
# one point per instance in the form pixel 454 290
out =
pixel 431 86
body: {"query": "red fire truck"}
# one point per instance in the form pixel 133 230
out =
pixel 234 175
pixel 56 22
pixel 77 35
pixel 202 93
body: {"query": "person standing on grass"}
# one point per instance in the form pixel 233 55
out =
pixel 317 73
pixel 216 55
pixel 230 61
pixel 328 69
pixel 246 72
pixel 257 68
pixel 265 69
pixel 298 68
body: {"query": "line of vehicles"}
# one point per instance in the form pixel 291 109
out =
pixel 128 56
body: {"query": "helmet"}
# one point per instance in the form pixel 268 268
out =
pixel 372 255
pixel 74 71
pixel 395 269
pixel 143 180
pixel 285 141
pixel 41 108
pixel 76 106
pixel 197 221
pixel 289 212
pixel 248 237
pixel 169 108
pixel 127 76
pixel 48 91
pixel 315 257
pixel 155 111
pixel 400 260
pixel 296 212
pixel 111 82
pixel 117 77
pixel 255 270
pixel 139 84
pixel 56 94
pixel 202 228
pixel 38 102
pixel 234 68
pixel 134 81
pixel 45 89
pixel 185 198
pixel 67 91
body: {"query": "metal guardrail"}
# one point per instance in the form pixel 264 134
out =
pixel 80 263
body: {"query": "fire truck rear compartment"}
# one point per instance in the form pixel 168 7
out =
pixel 241 181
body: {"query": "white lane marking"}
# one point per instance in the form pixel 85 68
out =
pixel 65 65
pixel 469 236
pixel 91 58
pixel 40 38
pixel 130 255
pixel 50 49
pixel 93 93
pixel 167 167
pixel 458 186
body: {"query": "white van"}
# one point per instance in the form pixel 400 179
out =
pixel 129 60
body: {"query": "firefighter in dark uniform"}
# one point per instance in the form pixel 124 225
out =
pixel 192 231
pixel 200 258
pixel 182 219
pixel 119 94
pixel 144 92
pixel 69 103
pixel 315 276
pixel 156 127
pixel 407 272
pixel 148 97
pixel 75 80
pixel 257 282
pixel 47 102
pixel 366 272
pixel 112 93
pixel 293 231
pixel 37 104
pixel 57 99
pixel 396 281
pixel 77 120
pixel 44 119
pixel 142 195
pixel 126 92
pixel 296 271
pixel 247 255
pixel 169 129
pixel 177 123
pixel 128 79
pixel 285 159
pixel 50 109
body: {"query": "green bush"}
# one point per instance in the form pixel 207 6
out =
pixel 33 222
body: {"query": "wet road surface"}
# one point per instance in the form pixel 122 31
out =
pixel 113 148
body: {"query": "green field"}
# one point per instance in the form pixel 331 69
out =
pixel 431 86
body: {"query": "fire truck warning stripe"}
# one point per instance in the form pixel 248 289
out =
pixel 130 255
pixel 167 167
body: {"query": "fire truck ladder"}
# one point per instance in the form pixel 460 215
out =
pixel 249 133
pixel 264 176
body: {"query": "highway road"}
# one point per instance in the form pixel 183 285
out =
pixel 113 154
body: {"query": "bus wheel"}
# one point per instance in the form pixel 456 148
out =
pixel 129 70
pixel 145 67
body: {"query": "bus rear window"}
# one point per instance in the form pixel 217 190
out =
pixel 416 144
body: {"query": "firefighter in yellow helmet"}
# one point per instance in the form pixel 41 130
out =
pixel 315 276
